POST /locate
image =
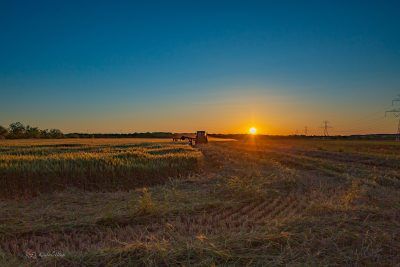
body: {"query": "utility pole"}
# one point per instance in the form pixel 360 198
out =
pixel 326 127
pixel 305 130
pixel 396 113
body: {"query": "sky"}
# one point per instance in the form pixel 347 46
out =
pixel 181 66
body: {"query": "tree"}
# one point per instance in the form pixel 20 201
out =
pixel 56 133
pixel 32 132
pixel 44 133
pixel 3 132
pixel 17 130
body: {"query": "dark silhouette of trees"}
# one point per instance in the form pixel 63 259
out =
pixel 3 132
pixel 125 135
pixel 17 130
pixel 44 133
pixel 32 132
pixel 55 133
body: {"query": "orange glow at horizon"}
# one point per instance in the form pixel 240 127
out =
pixel 253 130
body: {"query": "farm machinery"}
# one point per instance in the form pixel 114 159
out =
pixel 200 138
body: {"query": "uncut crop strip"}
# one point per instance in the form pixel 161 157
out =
pixel 29 170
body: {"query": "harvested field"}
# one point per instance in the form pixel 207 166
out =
pixel 281 202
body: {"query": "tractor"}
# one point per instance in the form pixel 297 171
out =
pixel 201 138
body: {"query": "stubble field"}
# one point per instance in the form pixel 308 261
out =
pixel 254 202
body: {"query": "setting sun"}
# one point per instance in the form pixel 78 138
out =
pixel 253 130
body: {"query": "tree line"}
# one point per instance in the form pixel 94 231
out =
pixel 17 130
pixel 120 135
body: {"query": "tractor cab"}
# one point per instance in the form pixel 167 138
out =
pixel 201 137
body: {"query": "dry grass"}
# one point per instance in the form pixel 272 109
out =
pixel 264 203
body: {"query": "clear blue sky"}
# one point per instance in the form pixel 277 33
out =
pixel 222 66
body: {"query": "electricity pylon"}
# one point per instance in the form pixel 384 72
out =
pixel 326 128
pixel 305 130
pixel 396 113
pixel 397 99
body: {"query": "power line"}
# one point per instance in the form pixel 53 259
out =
pixel 326 127
pixel 396 113
pixel 368 117
pixel 367 122
pixel 372 124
